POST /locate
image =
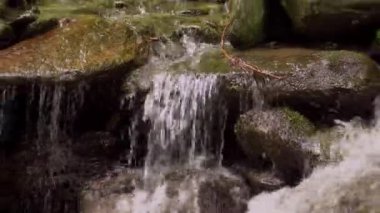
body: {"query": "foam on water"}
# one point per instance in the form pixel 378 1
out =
pixel 324 189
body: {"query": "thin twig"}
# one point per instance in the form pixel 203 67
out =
pixel 238 62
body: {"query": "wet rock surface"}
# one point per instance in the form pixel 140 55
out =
pixel 279 136
pixel 248 26
pixel 62 51
pixel 334 20
pixel 323 85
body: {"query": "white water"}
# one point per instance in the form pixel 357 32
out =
pixel 337 187
pixel 182 171
pixel 184 111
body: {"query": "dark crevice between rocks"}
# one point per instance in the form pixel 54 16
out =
pixel 278 25
pixel 324 109
pixel 232 152
pixel 234 158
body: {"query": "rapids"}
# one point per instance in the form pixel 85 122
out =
pixel 331 185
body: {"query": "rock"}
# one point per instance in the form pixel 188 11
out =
pixel 248 25
pixel 322 85
pixel 279 135
pixel 334 20
pixel 6 34
pixel 204 28
pixel 38 27
pixel 77 47
pixel 259 181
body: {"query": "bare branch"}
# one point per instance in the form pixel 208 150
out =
pixel 238 62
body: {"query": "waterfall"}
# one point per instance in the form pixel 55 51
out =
pixel 57 108
pixel 186 115
pixel 355 178
pixel 187 118
pixel 8 96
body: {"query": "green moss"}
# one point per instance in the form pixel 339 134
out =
pixel 55 10
pixel 87 45
pixel 297 9
pixel 299 123
pixel 377 39
pixel 208 28
pixel 213 62
pixel 280 61
pixel 248 25
pixel 338 60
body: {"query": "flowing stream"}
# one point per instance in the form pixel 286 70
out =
pixel 350 185
pixel 184 118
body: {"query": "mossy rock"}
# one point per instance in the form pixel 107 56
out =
pixel 328 85
pixel 323 85
pixel 281 136
pixel 6 34
pixel 203 28
pixel 248 23
pixel 85 45
pixel 210 62
pixel 190 8
pixel 325 19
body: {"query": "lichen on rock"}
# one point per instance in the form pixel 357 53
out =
pixel 281 135
pixel 83 45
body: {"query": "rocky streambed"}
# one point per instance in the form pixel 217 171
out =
pixel 129 106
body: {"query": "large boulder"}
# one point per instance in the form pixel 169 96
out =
pixel 280 136
pixel 77 47
pixel 322 85
pixel 248 22
pixel 325 19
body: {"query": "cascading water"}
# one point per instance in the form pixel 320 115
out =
pixel 350 185
pixel 8 95
pixel 187 115
pixel 182 171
